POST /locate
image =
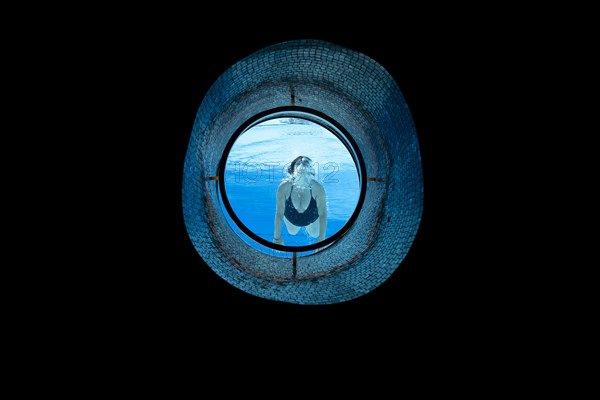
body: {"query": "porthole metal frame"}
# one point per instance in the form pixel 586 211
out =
pixel 363 97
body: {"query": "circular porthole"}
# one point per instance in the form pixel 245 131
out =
pixel 342 107
pixel 257 179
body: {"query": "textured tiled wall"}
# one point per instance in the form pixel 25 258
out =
pixel 359 94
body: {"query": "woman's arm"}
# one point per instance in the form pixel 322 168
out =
pixel 321 198
pixel 279 211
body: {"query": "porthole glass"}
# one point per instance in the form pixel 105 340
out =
pixel 291 182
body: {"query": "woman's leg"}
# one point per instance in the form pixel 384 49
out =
pixel 313 229
pixel 292 229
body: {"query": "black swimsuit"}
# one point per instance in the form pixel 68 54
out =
pixel 307 217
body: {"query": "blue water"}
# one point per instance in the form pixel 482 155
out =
pixel 256 166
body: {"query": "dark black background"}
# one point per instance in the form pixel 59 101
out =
pixel 149 282
pixel 111 279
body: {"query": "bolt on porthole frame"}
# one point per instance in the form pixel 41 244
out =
pixel 324 121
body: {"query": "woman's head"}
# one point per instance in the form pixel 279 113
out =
pixel 301 172
pixel 299 163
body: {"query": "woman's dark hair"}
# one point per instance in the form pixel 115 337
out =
pixel 292 166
